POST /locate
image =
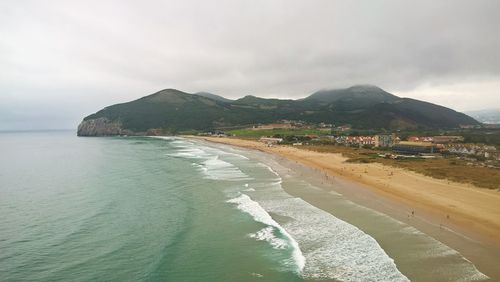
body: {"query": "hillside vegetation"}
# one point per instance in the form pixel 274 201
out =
pixel 360 106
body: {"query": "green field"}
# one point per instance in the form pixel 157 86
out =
pixel 271 132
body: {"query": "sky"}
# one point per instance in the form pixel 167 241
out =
pixel 63 60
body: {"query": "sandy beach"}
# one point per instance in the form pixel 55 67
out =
pixel 474 211
pixel 470 215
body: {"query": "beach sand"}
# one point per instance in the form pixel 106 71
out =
pixel 462 216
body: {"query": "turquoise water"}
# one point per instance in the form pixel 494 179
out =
pixel 120 209
pixel 171 209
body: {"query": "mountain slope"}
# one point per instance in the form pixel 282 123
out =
pixel 363 106
pixel 367 94
pixel 213 96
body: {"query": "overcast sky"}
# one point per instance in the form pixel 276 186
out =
pixel 63 60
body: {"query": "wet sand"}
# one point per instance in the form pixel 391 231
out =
pixel 461 216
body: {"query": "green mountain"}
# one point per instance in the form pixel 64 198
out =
pixel 362 106
pixel 213 96
pixel 366 94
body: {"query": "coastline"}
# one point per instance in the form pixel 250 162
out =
pixel 459 215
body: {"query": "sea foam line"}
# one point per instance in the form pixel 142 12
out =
pixel 217 169
pixel 247 205
pixel 334 249
pixel 212 166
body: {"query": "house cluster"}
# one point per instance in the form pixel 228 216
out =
pixel 270 140
pixel 299 124
pixel 446 144
pixel 441 139
pixel 420 139
pixel 216 133
pixel 421 145
pixel 356 140
pixel 472 150
pixel 281 124
pixel 381 140
pixel 426 144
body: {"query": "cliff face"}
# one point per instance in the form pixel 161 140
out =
pixel 99 127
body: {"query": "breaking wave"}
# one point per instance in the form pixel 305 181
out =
pixel 247 205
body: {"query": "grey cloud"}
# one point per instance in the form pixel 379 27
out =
pixel 87 54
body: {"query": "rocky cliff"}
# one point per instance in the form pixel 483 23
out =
pixel 99 127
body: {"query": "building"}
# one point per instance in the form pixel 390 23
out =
pixel 407 147
pixel 274 126
pixel 343 128
pixel 359 140
pixel 270 140
pixel 385 140
pixel 421 139
pixel 312 136
pixel 471 149
pixel 325 125
pixel 447 139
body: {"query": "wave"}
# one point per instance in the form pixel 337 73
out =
pixel 267 234
pixel 212 166
pixel 270 169
pixel 247 205
pixel 278 180
pixel 333 248
pixel 330 248
pixel 190 153
pixel 165 137
pixel 217 169
pixel 236 155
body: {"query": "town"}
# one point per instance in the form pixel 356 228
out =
pixel 394 145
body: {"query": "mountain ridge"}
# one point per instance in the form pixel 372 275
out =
pixel 362 106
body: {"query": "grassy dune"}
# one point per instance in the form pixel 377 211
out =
pixel 441 168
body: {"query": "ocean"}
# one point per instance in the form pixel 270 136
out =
pixel 175 209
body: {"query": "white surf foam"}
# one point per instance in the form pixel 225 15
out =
pixel 257 274
pixel 217 169
pixel 235 155
pixel 164 137
pixel 270 169
pixel 183 142
pixel 333 248
pixel 191 153
pixel 247 205
pixel 267 234
pixel 212 166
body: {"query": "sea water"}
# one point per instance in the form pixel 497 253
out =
pixel 173 209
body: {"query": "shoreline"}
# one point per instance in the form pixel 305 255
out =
pixel 438 208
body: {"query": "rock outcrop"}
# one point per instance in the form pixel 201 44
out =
pixel 99 127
